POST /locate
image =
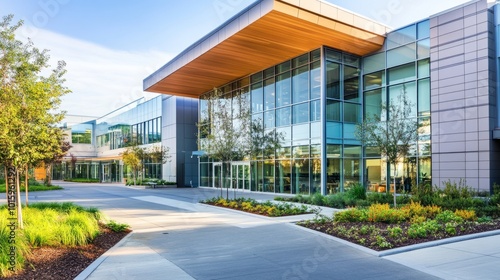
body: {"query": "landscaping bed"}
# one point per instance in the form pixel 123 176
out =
pixel 381 236
pixel 59 263
pixel 380 227
pixel 58 241
pixel 267 208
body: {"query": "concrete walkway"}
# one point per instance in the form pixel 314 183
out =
pixel 175 237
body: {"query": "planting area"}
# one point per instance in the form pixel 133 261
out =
pixel 426 214
pixel 380 227
pixel 262 208
pixel 59 240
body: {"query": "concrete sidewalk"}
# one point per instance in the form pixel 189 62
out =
pixel 175 237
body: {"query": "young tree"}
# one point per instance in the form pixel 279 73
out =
pixel 393 131
pixel 224 133
pixel 28 101
pixel 132 157
pixel 158 154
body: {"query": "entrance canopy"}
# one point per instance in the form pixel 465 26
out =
pixel 265 34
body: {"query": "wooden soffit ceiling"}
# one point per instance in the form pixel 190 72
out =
pixel 283 32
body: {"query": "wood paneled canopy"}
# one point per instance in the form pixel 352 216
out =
pixel 267 33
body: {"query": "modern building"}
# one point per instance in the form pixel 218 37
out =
pixel 313 70
pixel 98 143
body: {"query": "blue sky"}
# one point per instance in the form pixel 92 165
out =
pixel 110 46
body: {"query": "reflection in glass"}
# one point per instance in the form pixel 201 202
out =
pixel 283 116
pixel 300 84
pixel 333 110
pixel 301 113
pixel 283 176
pixel 351 84
pixel 315 80
pixel 257 97
pixel 269 94
pixel 332 80
pixel 300 176
pixel 283 89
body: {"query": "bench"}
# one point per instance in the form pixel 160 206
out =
pixel 151 185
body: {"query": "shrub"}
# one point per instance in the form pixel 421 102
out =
pixel 451 228
pixel 395 232
pixel 351 215
pixel 417 219
pixel 380 198
pixel 416 209
pixel 456 191
pixel 467 215
pixel 117 227
pixel 335 200
pixel 357 191
pixel 422 230
pixel 448 216
pixel 384 214
pixel 317 199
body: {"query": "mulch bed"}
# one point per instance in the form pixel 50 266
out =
pixel 352 233
pixel 66 263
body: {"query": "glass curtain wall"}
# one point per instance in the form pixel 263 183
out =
pixel 402 67
pixel 343 113
pixel 288 97
pixel 285 97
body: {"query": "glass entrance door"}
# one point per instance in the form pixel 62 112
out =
pixel 241 175
pixel 217 175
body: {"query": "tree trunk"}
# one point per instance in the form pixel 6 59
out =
pixel 48 174
pixel 19 205
pixel 26 184
pixel 394 194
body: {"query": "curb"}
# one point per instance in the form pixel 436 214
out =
pixel 437 243
pixel 95 264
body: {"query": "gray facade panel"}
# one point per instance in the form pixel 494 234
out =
pixel 462 91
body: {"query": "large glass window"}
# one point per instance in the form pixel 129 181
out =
pixel 373 103
pixel 351 83
pixel 423 29
pixel 301 113
pixel 315 110
pixel 424 97
pixel 402 74
pixel 300 84
pixel 269 94
pixel 352 112
pixel 401 55
pixel 423 48
pixel 374 80
pixel 401 37
pixel 315 80
pixel 269 120
pixel 423 68
pixel 374 62
pixel 300 131
pixel 283 89
pixel 257 98
pixel 333 110
pixel 332 80
pixel 396 92
pixel 283 116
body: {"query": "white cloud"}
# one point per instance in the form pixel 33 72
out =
pixel 101 79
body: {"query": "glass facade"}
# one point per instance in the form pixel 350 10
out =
pixel 320 153
pixel 125 127
pixel 82 133
pixel 402 67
